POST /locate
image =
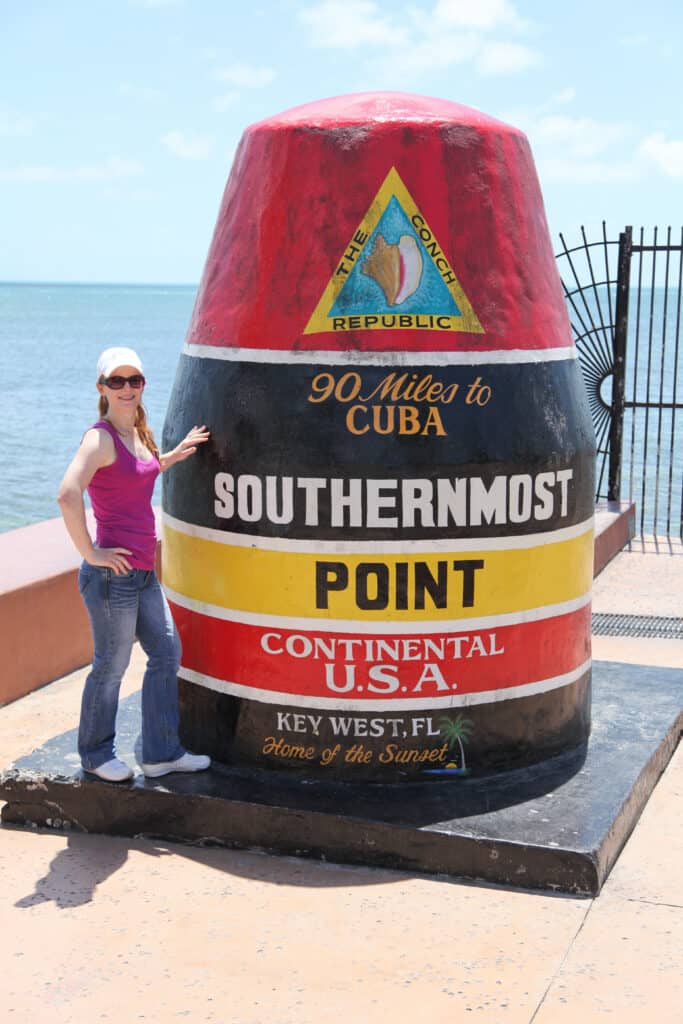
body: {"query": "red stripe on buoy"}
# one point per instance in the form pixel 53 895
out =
pixel 292 662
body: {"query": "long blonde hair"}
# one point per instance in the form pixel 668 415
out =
pixel 144 430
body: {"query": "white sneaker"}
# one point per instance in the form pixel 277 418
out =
pixel 187 763
pixel 112 771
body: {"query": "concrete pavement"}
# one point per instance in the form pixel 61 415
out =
pixel 103 929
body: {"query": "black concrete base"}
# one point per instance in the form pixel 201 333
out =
pixel 558 825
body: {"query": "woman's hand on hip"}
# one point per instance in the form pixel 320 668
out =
pixel 111 558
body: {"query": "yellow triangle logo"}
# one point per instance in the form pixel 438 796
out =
pixel 393 275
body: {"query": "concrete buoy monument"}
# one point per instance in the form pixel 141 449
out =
pixel 381 565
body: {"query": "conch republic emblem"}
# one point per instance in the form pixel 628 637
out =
pixel 394 265
pixel 381 564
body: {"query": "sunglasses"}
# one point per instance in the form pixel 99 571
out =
pixel 116 383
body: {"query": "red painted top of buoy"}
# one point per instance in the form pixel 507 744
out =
pixel 359 108
pixel 305 182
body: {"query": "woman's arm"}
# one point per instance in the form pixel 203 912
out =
pixel 96 450
pixel 187 447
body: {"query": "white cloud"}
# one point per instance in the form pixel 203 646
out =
pixel 584 151
pixel 32 173
pixel 15 124
pixel 245 76
pixel 339 25
pixel 667 154
pixel 479 14
pixel 411 42
pixel 113 168
pixel 578 137
pixel 574 171
pixel 157 3
pixel 503 58
pixel 223 103
pixel 434 54
pixel 562 97
pixel 139 92
pixel 187 148
pixel 638 39
pixel 576 150
pixel 441 50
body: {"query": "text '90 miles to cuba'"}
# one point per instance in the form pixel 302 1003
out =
pixel 401 403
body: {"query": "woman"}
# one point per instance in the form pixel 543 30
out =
pixel 118 462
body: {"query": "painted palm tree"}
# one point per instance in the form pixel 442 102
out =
pixel 457 730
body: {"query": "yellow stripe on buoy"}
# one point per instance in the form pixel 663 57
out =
pixel 377 586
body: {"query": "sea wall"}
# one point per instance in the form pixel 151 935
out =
pixel 44 629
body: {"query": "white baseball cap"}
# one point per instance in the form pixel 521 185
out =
pixel 113 357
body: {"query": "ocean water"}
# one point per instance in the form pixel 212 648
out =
pixel 52 334
pixel 50 338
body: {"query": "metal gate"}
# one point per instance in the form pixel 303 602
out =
pixel 624 299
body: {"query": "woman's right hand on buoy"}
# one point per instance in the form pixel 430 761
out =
pixel 111 558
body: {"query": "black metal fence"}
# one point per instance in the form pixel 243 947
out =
pixel 625 306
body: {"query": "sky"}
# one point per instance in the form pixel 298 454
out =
pixel 119 119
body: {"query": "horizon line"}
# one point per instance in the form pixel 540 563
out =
pixel 109 284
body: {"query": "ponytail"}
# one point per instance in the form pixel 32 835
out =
pixel 145 432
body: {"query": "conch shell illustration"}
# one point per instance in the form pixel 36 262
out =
pixel 397 269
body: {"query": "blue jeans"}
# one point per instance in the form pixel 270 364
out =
pixel 121 608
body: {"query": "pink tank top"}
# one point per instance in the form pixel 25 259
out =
pixel 121 498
